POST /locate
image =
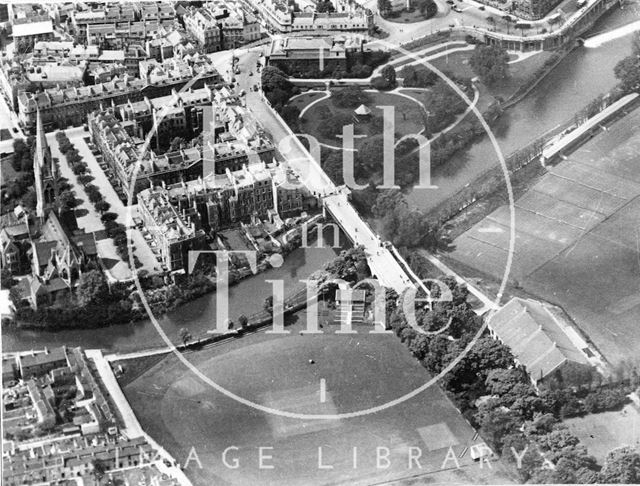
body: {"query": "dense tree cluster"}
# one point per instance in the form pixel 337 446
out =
pixel 497 397
pixel 20 189
pixel 277 87
pixel 405 227
pixel 351 265
pixel 628 70
pixel 490 63
pixel 349 97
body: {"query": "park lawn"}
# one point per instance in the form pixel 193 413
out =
pixel 409 117
pixel 361 370
pixel 603 432
pixel 520 72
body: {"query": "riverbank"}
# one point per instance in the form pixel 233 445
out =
pixel 123 305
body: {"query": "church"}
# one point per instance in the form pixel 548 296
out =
pixel 56 250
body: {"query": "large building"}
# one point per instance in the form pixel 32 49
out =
pixel 348 17
pixel 203 26
pixel 178 215
pixel 302 54
pixel 176 115
pixel 63 107
pixel 174 233
pixel 125 156
pixel 538 338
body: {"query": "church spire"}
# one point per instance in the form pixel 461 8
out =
pixel 41 141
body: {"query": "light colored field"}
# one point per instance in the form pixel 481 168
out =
pixel 577 239
pixel 603 432
pixel 361 371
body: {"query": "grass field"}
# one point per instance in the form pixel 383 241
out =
pixel 409 116
pixel 577 233
pixel 360 370
pixel 603 432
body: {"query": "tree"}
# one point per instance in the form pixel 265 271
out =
pixel 268 304
pixel 490 63
pixel 92 288
pixel 628 72
pixel 108 217
pixel 67 201
pixel 389 75
pixel 6 279
pixel 84 179
pixel 325 6
pixel 243 321
pixel 349 97
pixel 332 165
pixel 384 7
pixel 621 466
pixel 102 206
pixel 176 144
pixel 184 335
pixel 276 86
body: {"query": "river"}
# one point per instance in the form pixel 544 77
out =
pixel 583 75
pixel 197 316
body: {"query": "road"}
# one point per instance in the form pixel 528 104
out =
pixel 132 426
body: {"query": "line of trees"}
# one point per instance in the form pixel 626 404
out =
pixel 497 397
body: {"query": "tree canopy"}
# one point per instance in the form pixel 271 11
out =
pixel 490 63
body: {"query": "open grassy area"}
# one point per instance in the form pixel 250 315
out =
pixel 361 370
pixel 457 63
pixel 603 432
pixel 409 117
pixel 576 239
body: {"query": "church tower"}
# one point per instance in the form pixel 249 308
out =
pixel 44 172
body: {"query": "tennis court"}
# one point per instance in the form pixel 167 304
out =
pixel 577 239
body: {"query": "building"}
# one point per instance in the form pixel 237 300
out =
pixel 537 338
pixel 124 154
pixel 534 9
pixel 176 115
pixel 58 258
pixel 349 16
pixel 304 54
pixel 42 398
pixel 60 108
pixel 174 232
pixel 219 201
pixel 238 27
pixel 108 14
pixel 39 364
pixel 14 244
pixel 45 173
pixel 203 26
pixel 25 35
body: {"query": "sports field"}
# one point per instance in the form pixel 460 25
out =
pixel 360 371
pixel 603 432
pixel 577 239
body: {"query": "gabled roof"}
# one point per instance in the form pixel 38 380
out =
pixel 536 339
pixel 362 110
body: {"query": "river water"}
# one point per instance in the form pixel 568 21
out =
pixel 197 316
pixel 582 76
